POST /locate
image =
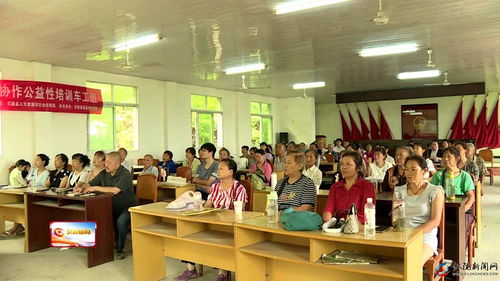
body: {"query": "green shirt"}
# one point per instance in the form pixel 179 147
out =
pixel 463 182
pixel 121 179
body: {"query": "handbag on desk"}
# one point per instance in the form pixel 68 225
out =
pixel 352 223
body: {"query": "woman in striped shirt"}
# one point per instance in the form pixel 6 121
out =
pixel 222 195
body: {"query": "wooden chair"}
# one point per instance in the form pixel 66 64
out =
pixel 147 189
pixel 434 261
pixel 248 187
pixel 155 162
pixel 329 158
pixel 184 171
pixel 140 161
pixel 472 238
pixel 11 168
pixel 487 156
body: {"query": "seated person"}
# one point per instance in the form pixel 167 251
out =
pixel 98 161
pixel 148 166
pixel 369 153
pixel 224 154
pixel 79 175
pixel 58 177
pixel 167 164
pixel 419 149
pixel 16 178
pixel 267 149
pixel 434 152
pixel 464 185
pixel 471 156
pixel 222 195
pixel 378 168
pixel 353 189
pixel 279 160
pixel 295 190
pixel 123 156
pixel 423 203
pixel 115 179
pixel 207 171
pixel 263 165
pixel 465 164
pixel 39 175
pixel 191 161
pixel 251 160
pixel 311 170
pixel 26 170
pixel 396 175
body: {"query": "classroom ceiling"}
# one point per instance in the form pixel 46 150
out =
pixel 201 38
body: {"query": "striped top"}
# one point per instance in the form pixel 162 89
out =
pixel 224 199
pixel 296 194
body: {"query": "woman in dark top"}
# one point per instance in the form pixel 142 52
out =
pixel 396 175
pixel 59 176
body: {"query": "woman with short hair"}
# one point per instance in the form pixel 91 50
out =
pixel 263 165
pixel 98 162
pixel 39 175
pixel 58 177
pixel 353 189
pixel 464 163
pixel 79 175
pixel 396 175
pixel 295 190
pixel 311 170
pixel 378 168
pixel 191 161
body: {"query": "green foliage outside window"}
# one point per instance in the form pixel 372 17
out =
pixel 261 123
pixel 206 120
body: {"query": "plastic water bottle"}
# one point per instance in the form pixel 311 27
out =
pixel 369 218
pixel 274 180
pixel 272 207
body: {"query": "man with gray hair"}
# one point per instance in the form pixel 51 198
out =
pixel 117 180
pixel 470 151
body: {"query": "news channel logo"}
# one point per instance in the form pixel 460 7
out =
pixel 72 234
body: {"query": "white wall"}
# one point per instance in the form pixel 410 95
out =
pixel 328 119
pixel 163 111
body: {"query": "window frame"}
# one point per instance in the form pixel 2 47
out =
pixel 262 116
pixel 113 106
pixel 197 143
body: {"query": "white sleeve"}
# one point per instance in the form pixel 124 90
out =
pixel 84 177
pixel 430 165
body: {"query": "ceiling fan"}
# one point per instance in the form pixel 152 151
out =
pixel 444 83
pixel 127 65
pixel 430 63
pixel 381 18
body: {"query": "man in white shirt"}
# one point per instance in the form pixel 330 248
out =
pixel 123 154
pixel 311 170
pixel 338 146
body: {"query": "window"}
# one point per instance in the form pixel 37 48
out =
pixel 262 123
pixel 117 125
pixel 206 120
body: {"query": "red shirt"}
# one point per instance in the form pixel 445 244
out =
pixel 340 199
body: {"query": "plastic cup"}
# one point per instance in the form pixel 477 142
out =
pixel 238 207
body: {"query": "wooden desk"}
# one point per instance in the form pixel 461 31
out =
pixel 170 192
pixel 12 208
pixel 454 248
pixel 206 239
pixel 269 253
pixel 44 207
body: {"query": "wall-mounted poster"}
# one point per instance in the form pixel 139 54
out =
pixel 419 121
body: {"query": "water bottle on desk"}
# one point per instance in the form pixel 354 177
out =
pixel 274 180
pixel 369 218
pixel 398 213
pixel 272 207
pixel 163 174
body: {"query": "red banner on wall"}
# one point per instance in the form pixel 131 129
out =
pixel 44 96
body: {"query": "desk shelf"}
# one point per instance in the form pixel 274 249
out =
pixel 13 205
pixel 77 207
pixel 276 250
pixel 159 229
pixel 212 237
pixel 47 203
pixel 389 267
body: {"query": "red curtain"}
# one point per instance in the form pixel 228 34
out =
pixel 346 133
pixel 492 132
pixel 480 129
pixel 385 131
pixel 469 126
pixel 356 134
pixel 365 133
pixel 374 130
pixel 457 131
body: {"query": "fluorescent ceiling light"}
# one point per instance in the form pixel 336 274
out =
pixel 245 68
pixel 294 6
pixel 308 85
pixel 419 74
pixel 141 41
pixel 387 50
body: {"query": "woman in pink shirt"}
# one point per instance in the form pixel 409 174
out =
pixel 353 189
pixel 263 165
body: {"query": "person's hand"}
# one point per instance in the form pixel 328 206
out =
pixel 77 189
pixel 394 181
pixel 89 189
